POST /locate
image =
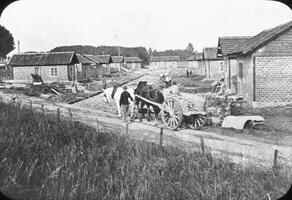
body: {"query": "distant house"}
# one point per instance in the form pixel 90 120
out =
pixel 264 66
pixel 133 62
pixel 98 69
pixel 195 63
pixel 117 63
pixel 226 45
pixel 105 61
pixel 163 62
pixel 57 66
pixel 86 68
pixel 212 64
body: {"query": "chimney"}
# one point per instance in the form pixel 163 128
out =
pixel 18 46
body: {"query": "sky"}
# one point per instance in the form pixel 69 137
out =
pixel 41 25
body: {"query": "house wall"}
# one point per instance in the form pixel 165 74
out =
pixel 214 69
pixel 134 65
pixel 106 69
pixel 24 73
pixel 115 67
pixel 163 65
pixel 193 66
pixel 273 79
pixel 230 73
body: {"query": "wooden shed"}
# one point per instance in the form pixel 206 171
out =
pixel 133 62
pixel 195 63
pixel 117 63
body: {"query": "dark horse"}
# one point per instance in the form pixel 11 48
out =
pixel 151 94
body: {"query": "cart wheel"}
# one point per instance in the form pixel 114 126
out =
pixel 172 113
pixel 197 122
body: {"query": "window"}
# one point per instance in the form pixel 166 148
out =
pixel 54 71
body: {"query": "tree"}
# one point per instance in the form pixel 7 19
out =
pixel 190 47
pixel 6 42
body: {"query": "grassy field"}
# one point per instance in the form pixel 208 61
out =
pixel 42 158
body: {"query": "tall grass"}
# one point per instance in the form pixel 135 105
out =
pixel 43 159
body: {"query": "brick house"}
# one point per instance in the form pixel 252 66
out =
pixel 195 63
pixel 264 66
pixel 163 62
pixel 117 63
pixel 212 64
pixel 133 62
pixel 53 66
pixel 226 45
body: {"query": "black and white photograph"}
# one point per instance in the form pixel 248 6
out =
pixel 145 99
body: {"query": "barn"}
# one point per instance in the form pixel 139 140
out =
pixel 133 62
pixel 212 64
pixel 264 66
pixel 52 66
pixel 163 62
pixel 225 45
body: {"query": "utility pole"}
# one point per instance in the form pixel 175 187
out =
pixel 18 46
pixel 119 50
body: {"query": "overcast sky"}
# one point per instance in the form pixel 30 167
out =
pixel 41 25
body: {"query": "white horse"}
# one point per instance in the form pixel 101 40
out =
pixel 107 94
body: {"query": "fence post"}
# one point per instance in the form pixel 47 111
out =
pixel 202 145
pixel 161 137
pixel 127 128
pixel 70 114
pixel 30 106
pixel 275 160
pixel 43 110
pixel 58 114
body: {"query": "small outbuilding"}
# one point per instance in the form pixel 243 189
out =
pixel 52 66
pixel 195 63
pixel 133 62
pixel 264 66
pixel 117 63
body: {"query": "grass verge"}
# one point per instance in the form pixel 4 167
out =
pixel 45 159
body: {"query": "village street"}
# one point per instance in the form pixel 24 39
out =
pixel 239 148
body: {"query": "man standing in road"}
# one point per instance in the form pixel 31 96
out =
pixel 124 103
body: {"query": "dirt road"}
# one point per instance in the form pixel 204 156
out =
pixel 239 150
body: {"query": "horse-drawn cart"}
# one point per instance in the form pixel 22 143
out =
pixel 176 110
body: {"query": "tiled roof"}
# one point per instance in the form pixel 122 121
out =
pixel 41 59
pixel 210 53
pixel 132 60
pixel 117 59
pixel 164 58
pixel 228 43
pixel 261 39
pixel 82 59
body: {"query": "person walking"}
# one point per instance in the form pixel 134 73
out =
pixel 124 103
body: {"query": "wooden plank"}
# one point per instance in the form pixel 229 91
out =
pixel 148 101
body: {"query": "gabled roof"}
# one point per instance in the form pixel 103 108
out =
pixel 132 60
pixel 117 59
pixel 93 58
pixel 262 39
pixel 164 58
pixel 210 53
pixel 105 59
pixel 43 59
pixel 228 43
pixel 83 60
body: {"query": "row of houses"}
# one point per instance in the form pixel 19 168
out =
pixel 68 66
pixel 257 68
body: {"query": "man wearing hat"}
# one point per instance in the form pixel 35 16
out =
pixel 124 103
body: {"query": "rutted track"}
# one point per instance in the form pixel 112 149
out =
pixel 239 150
